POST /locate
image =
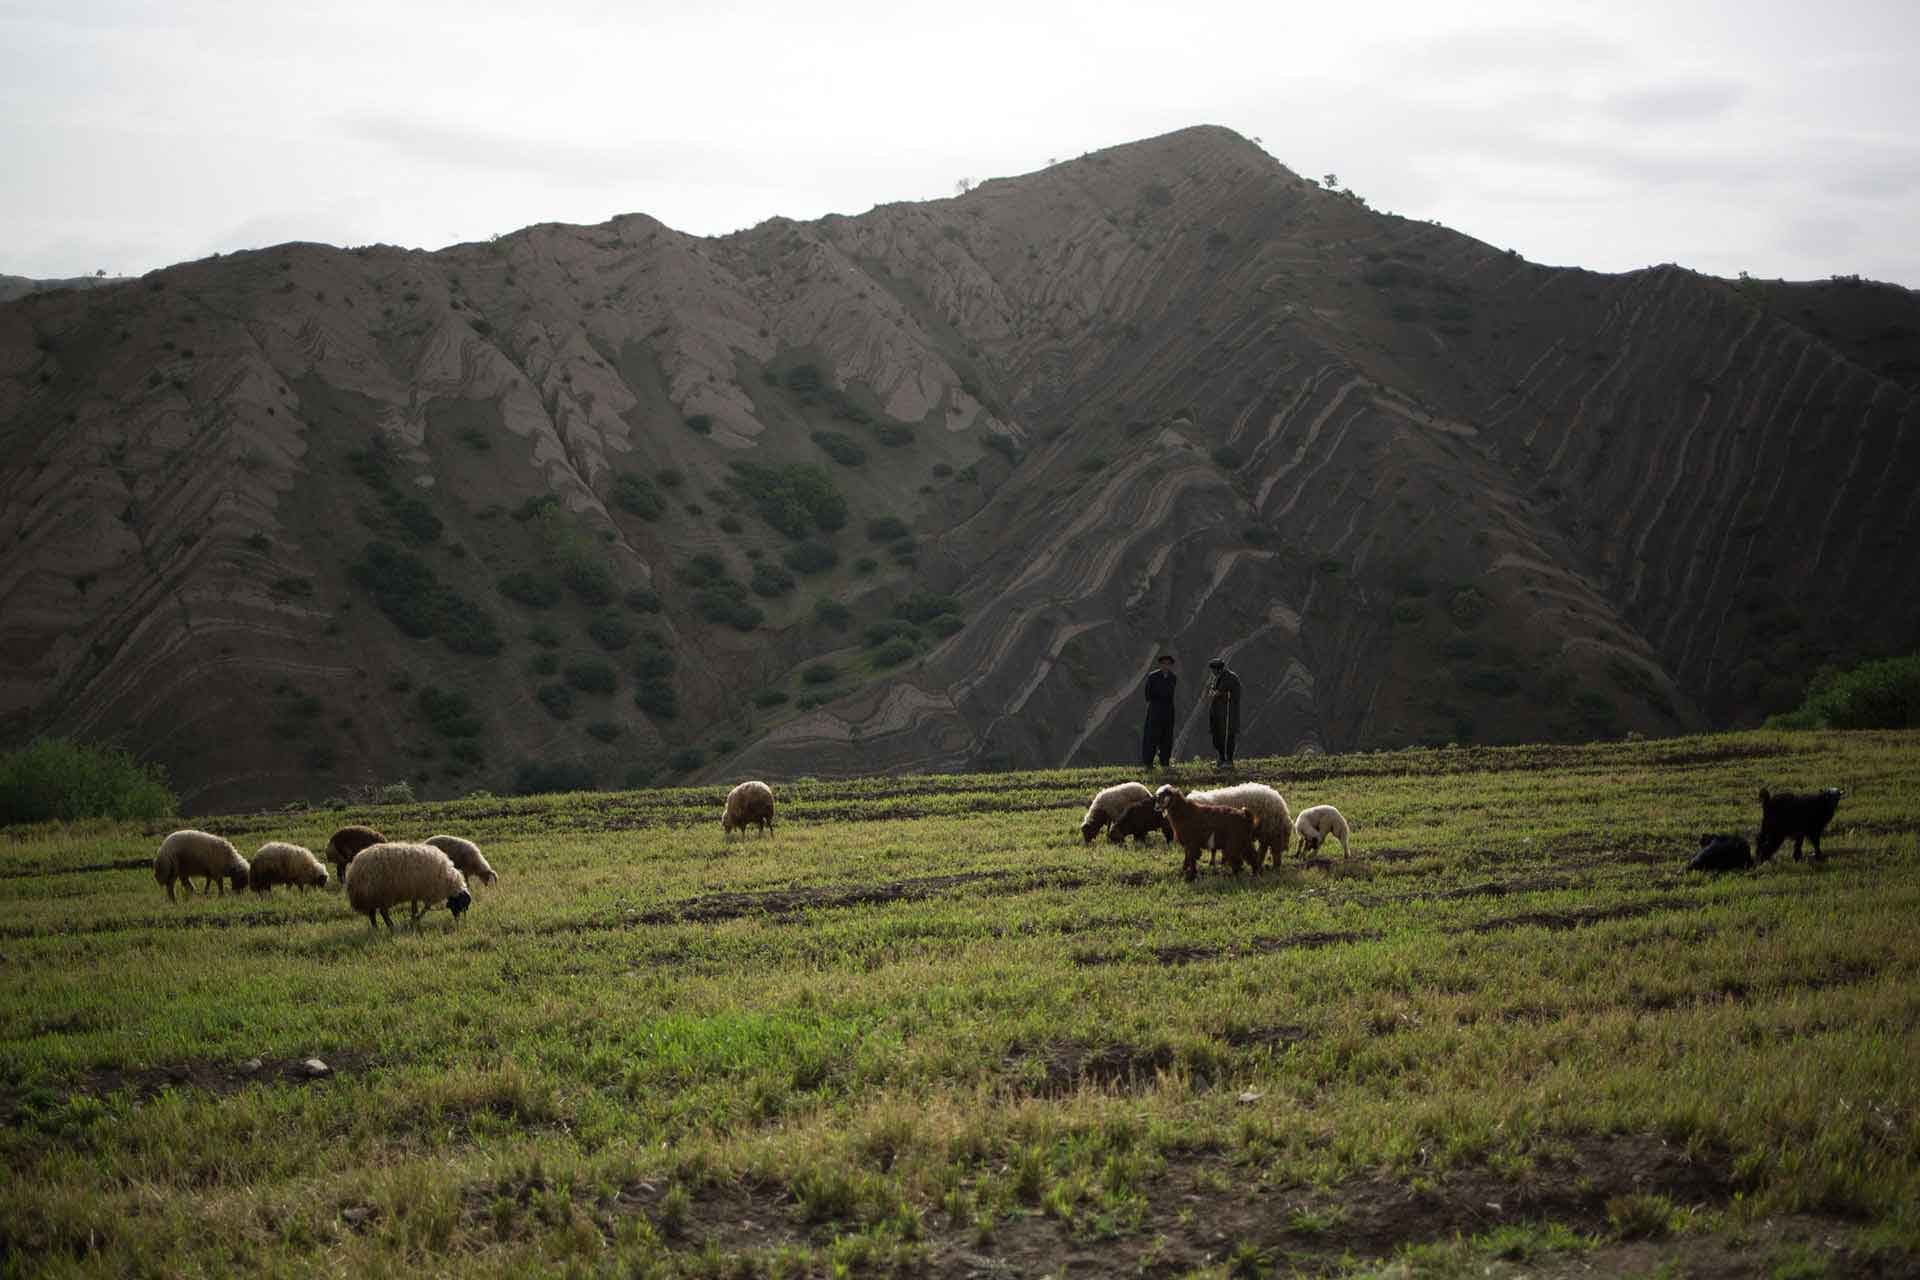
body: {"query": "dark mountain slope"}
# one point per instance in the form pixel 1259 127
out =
pixel 291 519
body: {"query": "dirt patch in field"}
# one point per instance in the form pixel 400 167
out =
pixel 1272 1036
pixel 215 1077
pixel 1205 1212
pixel 123 864
pixel 1575 918
pixel 1188 953
pixel 1061 1067
pixel 791 902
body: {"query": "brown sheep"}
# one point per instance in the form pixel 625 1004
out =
pixel 348 842
pixel 1195 824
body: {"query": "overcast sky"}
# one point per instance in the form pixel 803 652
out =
pixel 1770 137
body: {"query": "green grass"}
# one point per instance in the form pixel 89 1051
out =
pixel 922 1021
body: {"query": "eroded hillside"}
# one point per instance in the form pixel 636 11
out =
pixel 930 486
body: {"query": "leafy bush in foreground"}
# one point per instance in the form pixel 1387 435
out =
pixel 55 779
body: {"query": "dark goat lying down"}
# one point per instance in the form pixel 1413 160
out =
pixel 1792 817
pixel 1140 821
pixel 1722 853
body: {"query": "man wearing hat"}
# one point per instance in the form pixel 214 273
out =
pixel 1158 735
pixel 1223 710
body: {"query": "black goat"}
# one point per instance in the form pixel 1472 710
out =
pixel 1794 817
pixel 1722 853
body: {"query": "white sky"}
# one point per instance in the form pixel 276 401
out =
pixel 1759 135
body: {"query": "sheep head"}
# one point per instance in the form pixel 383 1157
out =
pixel 459 902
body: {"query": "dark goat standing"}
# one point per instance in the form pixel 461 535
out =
pixel 1722 853
pixel 1792 817
pixel 1140 820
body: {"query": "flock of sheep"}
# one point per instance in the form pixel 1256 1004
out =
pixel 379 874
pixel 1243 823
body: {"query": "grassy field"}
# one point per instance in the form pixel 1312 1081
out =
pixel 922 1029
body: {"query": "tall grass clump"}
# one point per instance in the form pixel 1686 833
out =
pixel 54 779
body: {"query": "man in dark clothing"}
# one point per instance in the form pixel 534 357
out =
pixel 1223 710
pixel 1158 735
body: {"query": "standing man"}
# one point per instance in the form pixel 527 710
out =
pixel 1223 710
pixel 1158 735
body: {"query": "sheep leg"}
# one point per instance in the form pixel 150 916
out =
pixel 170 897
pixel 1191 868
pixel 1796 848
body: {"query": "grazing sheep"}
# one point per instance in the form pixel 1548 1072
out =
pixel 1276 822
pixel 1721 853
pixel 1195 825
pixel 281 863
pixel 186 854
pixel 1316 825
pixel 748 804
pixel 1109 805
pixel 348 841
pixel 383 876
pixel 465 855
pixel 1796 818
pixel 1140 821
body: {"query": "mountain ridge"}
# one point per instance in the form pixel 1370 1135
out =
pixel 1166 395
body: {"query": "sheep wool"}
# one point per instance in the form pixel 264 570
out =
pixel 1108 805
pixel 465 855
pixel 383 876
pixel 280 863
pixel 748 804
pixel 1276 823
pixel 1320 823
pixel 348 841
pixel 186 854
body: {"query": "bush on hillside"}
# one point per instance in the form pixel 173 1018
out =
pixel 53 779
pixel 1875 695
pixel 794 498
pixel 843 449
pixel 538 778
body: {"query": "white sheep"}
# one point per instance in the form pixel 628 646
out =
pixel 185 854
pixel 280 863
pixel 1276 823
pixel 747 804
pixel 1108 805
pixel 1316 824
pixel 383 876
pixel 465 855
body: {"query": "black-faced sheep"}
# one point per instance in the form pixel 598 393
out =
pixel 1276 822
pixel 1792 817
pixel 383 876
pixel 1317 825
pixel 1108 805
pixel 186 854
pixel 1195 825
pixel 465 855
pixel 1139 821
pixel 749 804
pixel 1721 853
pixel 282 863
pixel 348 841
